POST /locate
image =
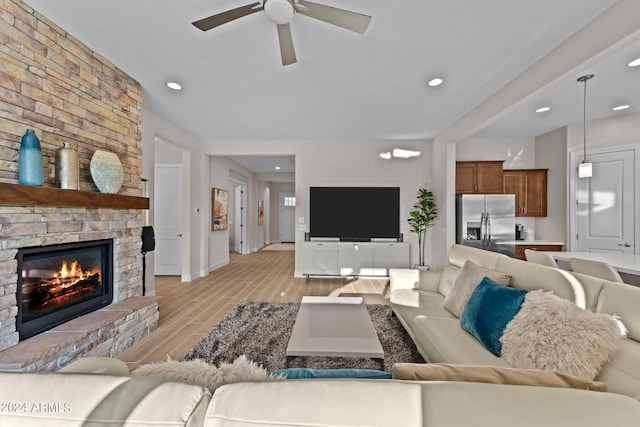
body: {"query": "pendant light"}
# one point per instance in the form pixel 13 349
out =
pixel 585 169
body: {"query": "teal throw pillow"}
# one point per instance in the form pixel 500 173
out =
pixel 488 311
pixel 297 373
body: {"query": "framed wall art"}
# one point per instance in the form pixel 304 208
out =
pixel 220 209
pixel 260 212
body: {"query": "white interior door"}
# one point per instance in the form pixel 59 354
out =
pixel 168 220
pixel 287 213
pixel 605 220
pixel 240 218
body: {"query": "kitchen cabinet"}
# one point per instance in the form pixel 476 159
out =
pixel 530 188
pixel 544 247
pixel 479 177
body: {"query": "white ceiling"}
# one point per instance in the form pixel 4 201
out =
pixel 267 164
pixel 345 86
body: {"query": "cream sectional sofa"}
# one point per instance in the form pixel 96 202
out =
pixel 111 399
pixel 100 392
pixel 417 299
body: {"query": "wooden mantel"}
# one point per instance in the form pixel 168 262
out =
pixel 26 195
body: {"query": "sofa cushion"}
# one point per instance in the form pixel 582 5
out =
pixel 552 333
pixel 468 278
pixel 442 340
pixel 492 375
pixel 531 276
pixel 488 311
pixel 353 402
pixel 100 400
pixel 622 373
pixel 414 302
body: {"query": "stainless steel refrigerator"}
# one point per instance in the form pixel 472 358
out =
pixel 486 221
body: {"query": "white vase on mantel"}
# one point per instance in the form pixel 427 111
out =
pixel 107 171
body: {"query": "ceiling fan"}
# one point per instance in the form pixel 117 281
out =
pixel 280 12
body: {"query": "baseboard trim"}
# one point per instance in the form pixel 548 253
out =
pixel 218 265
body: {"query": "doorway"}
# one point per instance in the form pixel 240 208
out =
pixel 606 203
pixel 287 212
pixel 168 219
pixel 240 219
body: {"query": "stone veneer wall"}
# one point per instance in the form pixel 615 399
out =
pixel 54 84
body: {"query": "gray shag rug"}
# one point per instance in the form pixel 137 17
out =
pixel 261 330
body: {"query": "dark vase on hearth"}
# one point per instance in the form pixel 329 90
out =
pixel 30 166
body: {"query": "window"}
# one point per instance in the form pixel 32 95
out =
pixel 289 200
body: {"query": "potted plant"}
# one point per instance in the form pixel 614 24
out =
pixel 424 214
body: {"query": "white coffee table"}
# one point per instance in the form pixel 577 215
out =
pixel 334 327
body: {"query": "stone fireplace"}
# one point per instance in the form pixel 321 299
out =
pixel 58 283
pixel 55 84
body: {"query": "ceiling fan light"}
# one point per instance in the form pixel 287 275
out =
pixel 585 170
pixel 404 154
pixel 279 11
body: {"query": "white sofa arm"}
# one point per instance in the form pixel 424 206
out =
pixel 97 365
pixel 404 278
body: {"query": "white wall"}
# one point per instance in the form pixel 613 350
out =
pixel 195 248
pixel 221 169
pixel 345 163
pixel 518 153
pixel 613 132
pixel 167 153
pixel 551 153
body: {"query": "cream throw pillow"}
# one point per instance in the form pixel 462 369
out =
pixel 466 281
pixel 492 375
pixel 554 334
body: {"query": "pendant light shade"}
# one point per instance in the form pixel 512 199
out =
pixel 585 169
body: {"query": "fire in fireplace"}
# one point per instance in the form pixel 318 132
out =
pixel 57 283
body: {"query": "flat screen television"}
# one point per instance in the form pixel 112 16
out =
pixel 354 213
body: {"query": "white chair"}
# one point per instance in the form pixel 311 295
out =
pixel 540 258
pixel 595 269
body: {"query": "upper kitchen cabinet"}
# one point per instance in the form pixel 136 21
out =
pixel 479 177
pixel 530 188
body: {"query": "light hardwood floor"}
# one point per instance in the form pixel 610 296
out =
pixel 190 310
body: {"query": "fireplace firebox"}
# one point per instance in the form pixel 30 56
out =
pixel 58 283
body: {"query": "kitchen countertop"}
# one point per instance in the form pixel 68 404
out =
pixel 538 242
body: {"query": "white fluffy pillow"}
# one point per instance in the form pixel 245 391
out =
pixel 466 281
pixel 201 373
pixel 554 334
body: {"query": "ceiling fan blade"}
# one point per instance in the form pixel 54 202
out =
pixel 342 18
pixel 287 51
pixel 228 16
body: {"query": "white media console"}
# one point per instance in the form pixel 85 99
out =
pixel 333 258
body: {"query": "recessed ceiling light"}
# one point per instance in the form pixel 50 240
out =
pixel 435 82
pixel 174 86
pixel 543 109
pixel 620 107
pixel 278 168
pixel 634 63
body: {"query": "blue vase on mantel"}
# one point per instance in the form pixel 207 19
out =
pixel 30 166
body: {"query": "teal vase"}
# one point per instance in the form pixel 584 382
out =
pixel 30 167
